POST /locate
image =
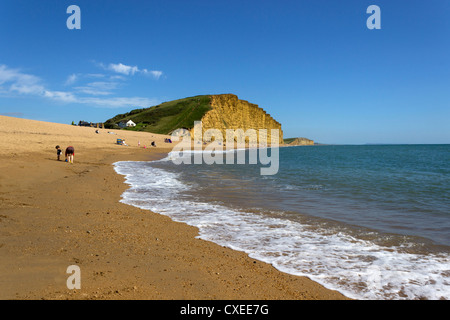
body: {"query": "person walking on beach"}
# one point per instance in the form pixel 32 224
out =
pixel 70 152
pixel 58 152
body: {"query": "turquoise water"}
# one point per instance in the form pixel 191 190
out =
pixel 402 189
pixel 370 221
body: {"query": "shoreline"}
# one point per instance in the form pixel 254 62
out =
pixel 55 214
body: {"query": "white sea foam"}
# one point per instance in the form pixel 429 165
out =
pixel 358 268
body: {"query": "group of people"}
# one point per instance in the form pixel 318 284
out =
pixel 69 153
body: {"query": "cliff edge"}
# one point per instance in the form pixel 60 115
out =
pixel 298 142
pixel 221 112
pixel 229 112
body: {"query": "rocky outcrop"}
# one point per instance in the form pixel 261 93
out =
pixel 299 142
pixel 229 112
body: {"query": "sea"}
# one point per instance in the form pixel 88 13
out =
pixel 370 221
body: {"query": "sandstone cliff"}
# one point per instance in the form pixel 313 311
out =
pixel 221 112
pixel 229 112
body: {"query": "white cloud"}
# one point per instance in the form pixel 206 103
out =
pixel 131 70
pixel 123 69
pixel 113 102
pixel 13 80
pixel 60 96
pixel 7 74
pixel 155 73
pixel 71 79
pixel 95 75
pixel 117 77
pixel 101 88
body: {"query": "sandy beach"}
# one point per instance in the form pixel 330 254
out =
pixel 55 214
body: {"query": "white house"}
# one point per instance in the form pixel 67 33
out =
pixel 128 123
pixel 131 124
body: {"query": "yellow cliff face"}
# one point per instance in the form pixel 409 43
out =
pixel 228 112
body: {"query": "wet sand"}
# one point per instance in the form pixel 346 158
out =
pixel 54 214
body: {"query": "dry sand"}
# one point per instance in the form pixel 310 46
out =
pixel 54 214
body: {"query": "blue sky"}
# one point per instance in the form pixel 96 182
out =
pixel 313 65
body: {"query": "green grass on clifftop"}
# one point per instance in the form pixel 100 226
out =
pixel 166 117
